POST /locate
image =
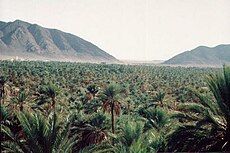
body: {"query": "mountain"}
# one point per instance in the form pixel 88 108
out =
pixel 203 55
pixel 33 42
pixel 139 62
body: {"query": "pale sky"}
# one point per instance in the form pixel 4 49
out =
pixel 131 29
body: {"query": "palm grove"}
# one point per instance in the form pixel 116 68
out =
pixel 71 107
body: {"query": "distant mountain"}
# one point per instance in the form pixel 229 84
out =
pixel 203 55
pixel 33 42
pixel 139 62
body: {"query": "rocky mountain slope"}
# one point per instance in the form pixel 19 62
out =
pixel 33 42
pixel 203 55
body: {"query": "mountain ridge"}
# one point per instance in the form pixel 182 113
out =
pixel 31 41
pixel 203 55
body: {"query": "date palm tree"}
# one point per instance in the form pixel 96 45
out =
pixel 90 130
pixel 52 92
pixel 47 92
pixel 20 99
pixel 158 124
pixel 93 89
pixel 159 97
pixel 111 103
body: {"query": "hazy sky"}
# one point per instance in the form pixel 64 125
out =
pixel 131 29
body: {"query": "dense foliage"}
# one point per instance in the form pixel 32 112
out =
pixel 73 107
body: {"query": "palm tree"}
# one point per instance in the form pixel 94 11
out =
pixel 90 130
pixel 207 125
pixel 3 80
pixel 134 138
pixel 129 139
pixel 93 89
pixel 131 130
pixel 160 97
pixel 157 118
pixel 52 92
pixel 91 135
pixel 158 125
pixel 49 91
pixel 40 135
pixel 21 99
pixel 111 103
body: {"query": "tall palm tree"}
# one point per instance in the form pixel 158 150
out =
pixel 111 103
pixel 208 122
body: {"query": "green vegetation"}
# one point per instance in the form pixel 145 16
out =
pixel 72 107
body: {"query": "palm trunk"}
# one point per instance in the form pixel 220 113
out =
pixel 161 103
pixel 227 137
pixel 21 107
pixel 112 117
pixel 3 95
pixel 53 102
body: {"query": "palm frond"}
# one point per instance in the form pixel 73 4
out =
pixel 44 135
pixel 185 116
pixel 219 85
pixel 7 133
pixel 10 147
pixel 192 107
pixel 4 114
pixel 206 101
